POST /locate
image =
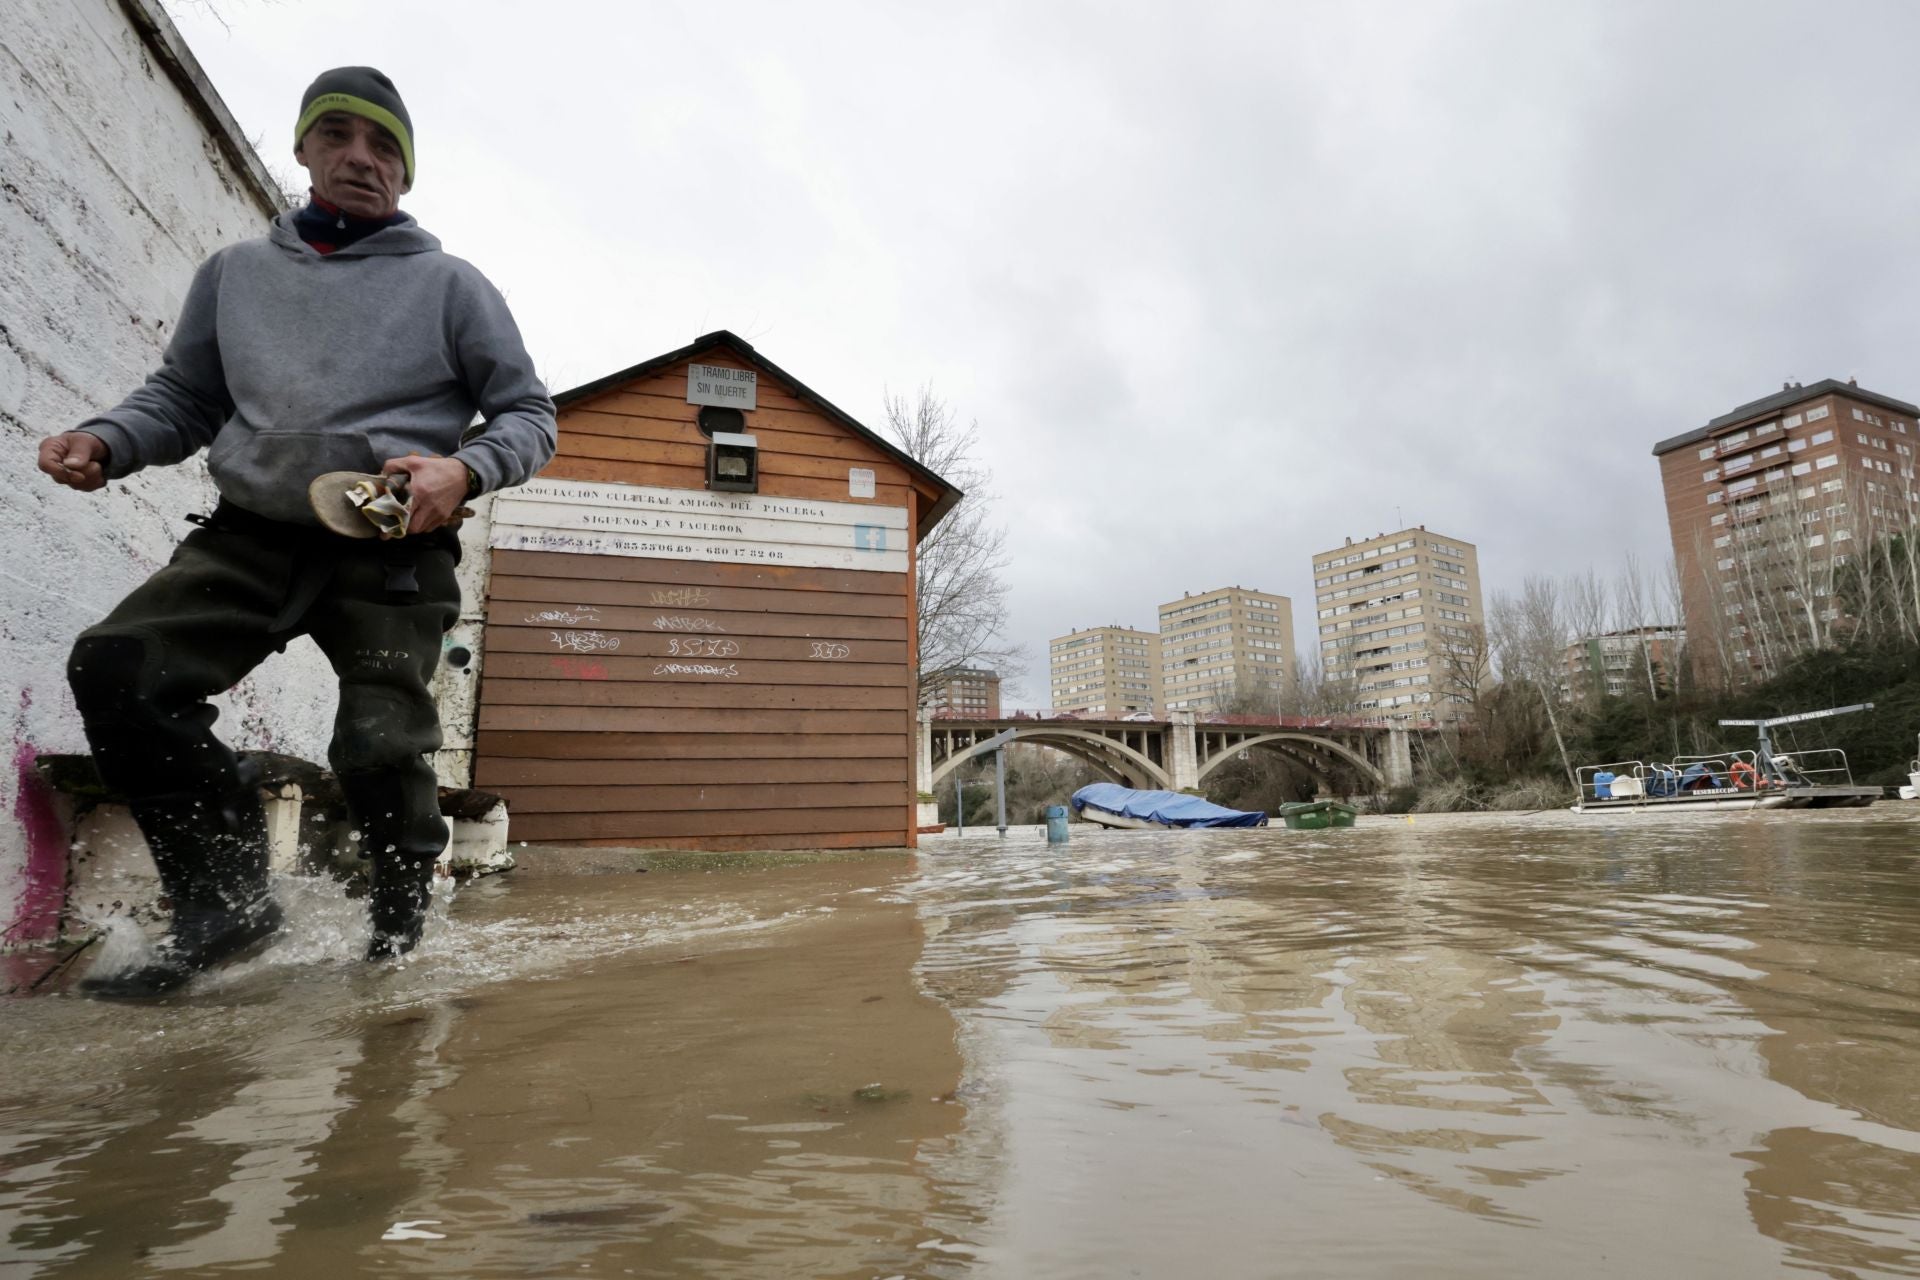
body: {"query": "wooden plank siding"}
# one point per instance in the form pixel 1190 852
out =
pixel 681 703
pixel 646 433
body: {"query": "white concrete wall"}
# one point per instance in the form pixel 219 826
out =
pixel 456 688
pixel 113 188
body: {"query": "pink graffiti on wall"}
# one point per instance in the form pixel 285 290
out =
pixel 43 887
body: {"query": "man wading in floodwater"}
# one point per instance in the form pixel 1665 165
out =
pixel 343 340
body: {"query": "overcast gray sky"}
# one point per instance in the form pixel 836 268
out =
pixel 1223 284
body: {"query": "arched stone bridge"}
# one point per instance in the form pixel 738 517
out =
pixel 1182 752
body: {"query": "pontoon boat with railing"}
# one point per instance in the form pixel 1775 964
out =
pixel 1738 780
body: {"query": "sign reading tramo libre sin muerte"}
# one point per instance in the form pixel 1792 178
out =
pixel 722 385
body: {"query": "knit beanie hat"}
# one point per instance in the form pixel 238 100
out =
pixel 359 91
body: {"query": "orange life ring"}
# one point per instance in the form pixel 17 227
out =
pixel 1745 776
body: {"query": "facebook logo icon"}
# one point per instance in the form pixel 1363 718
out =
pixel 870 537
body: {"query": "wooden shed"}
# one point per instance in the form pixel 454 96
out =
pixel 701 617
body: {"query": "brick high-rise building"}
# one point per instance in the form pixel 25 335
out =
pixel 1103 671
pixel 1765 504
pixel 1389 609
pixel 970 692
pixel 1224 641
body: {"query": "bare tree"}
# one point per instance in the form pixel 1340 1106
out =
pixel 1907 561
pixel 1314 691
pixel 1630 611
pixel 1466 664
pixel 1529 635
pixel 1707 659
pixel 1777 561
pixel 960 575
pixel 1585 608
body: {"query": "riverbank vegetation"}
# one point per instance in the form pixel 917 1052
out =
pixel 1507 758
pixel 1537 714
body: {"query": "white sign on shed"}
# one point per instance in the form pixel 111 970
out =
pixel 589 518
pixel 722 385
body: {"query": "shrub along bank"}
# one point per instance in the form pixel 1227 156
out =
pixel 1507 759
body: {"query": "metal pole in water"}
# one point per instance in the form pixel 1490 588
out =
pixel 959 806
pixel 1000 789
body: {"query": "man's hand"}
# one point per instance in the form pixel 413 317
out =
pixel 78 460
pixel 438 485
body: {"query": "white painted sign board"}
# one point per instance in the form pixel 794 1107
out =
pixel 722 385
pixel 587 518
pixel 859 482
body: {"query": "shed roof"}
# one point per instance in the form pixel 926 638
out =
pixel 946 495
pixel 1785 398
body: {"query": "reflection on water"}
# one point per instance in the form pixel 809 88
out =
pixel 1446 1047
pixel 720 1075
pixel 1496 1045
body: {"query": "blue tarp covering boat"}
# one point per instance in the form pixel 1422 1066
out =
pixel 1160 808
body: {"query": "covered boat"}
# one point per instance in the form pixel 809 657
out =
pixel 1113 805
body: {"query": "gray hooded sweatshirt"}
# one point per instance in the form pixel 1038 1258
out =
pixel 287 363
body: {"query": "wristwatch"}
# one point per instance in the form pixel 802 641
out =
pixel 473 482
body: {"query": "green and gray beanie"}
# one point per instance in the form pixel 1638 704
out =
pixel 358 91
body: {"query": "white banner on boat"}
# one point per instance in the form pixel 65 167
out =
pixel 586 518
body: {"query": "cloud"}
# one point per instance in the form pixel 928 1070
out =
pixel 1223 284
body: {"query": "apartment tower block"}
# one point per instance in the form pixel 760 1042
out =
pixel 1221 643
pixel 1766 504
pixel 968 693
pixel 1103 671
pixel 1400 618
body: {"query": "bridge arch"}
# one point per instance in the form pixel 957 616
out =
pixel 1125 765
pixel 1281 745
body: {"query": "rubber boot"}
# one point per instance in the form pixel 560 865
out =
pixel 213 864
pixel 401 829
pixel 401 893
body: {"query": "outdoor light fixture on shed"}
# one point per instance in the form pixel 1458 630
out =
pixel 733 463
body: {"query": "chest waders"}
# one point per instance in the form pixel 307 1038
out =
pixel 238 589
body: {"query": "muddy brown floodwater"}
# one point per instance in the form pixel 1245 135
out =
pixel 1445 1047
